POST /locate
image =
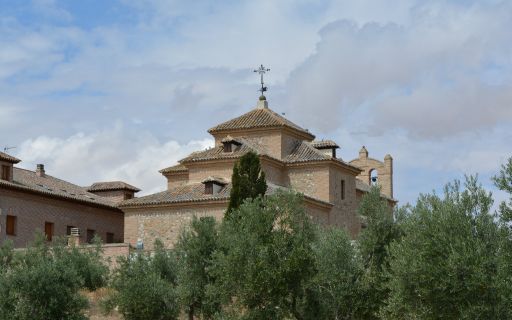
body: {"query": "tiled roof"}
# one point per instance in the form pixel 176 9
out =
pixel 215 179
pixel 26 180
pixel 321 144
pixel 304 152
pixel 176 168
pixel 194 192
pixel 258 118
pixel 111 185
pixel 5 157
pixel 186 193
pixel 218 152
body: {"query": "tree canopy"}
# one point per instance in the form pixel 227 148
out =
pixel 247 181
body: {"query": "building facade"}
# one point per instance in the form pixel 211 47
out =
pixel 32 201
pixel 199 185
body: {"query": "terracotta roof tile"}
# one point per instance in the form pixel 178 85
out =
pixel 186 193
pixel 321 144
pixel 218 152
pixel 194 192
pixel 111 185
pixel 258 118
pixel 26 180
pixel 8 158
pixel 215 179
pixel 303 152
pixel 176 168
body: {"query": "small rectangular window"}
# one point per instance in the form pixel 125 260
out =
pixel 342 190
pixel 10 226
pixel 6 173
pixel 90 235
pixel 127 196
pixel 110 237
pixel 208 188
pixel 48 230
pixel 228 147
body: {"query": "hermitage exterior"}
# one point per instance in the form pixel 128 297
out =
pixel 199 185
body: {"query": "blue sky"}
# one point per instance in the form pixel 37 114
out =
pixel 103 90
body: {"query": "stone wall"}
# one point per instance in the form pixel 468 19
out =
pixel 312 180
pixel 165 223
pixel 344 213
pixel 384 171
pixel 176 179
pixel 32 211
pixel 200 171
pixel 115 195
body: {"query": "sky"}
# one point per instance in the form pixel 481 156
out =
pixel 116 90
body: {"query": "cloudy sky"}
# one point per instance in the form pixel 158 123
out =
pixel 102 90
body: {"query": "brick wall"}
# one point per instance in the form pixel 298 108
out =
pixel 311 180
pixel 200 171
pixel 344 213
pixel 32 211
pixel 165 223
pixel 176 179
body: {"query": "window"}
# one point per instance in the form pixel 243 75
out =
pixel 228 147
pixel 374 177
pixel 48 230
pixel 110 237
pixel 6 173
pixel 90 235
pixel 128 196
pixel 68 230
pixel 208 188
pixel 10 226
pixel 342 190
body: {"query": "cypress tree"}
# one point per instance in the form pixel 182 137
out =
pixel 248 181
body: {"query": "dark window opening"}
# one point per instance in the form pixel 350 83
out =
pixel 110 237
pixel 10 227
pixel 208 188
pixel 228 147
pixel 128 196
pixel 6 173
pixel 48 230
pixel 342 190
pixel 90 235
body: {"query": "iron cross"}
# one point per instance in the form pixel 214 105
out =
pixel 262 70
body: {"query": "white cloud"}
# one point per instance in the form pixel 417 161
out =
pixel 429 76
pixel 111 154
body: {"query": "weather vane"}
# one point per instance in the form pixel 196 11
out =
pixel 262 70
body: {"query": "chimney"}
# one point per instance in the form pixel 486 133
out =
pixel 40 170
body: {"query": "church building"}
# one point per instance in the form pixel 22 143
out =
pixel 199 185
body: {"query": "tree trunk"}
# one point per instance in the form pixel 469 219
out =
pixel 191 313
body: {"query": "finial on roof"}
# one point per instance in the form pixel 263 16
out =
pixel 363 153
pixel 262 70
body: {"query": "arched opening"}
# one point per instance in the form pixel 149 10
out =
pixel 374 177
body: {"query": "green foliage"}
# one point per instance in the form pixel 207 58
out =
pixel 447 264
pixel 88 264
pixel 265 259
pixel 247 181
pixel 194 253
pixel 144 286
pixel 504 182
pixel 40 284
pixel 335 283
pixel 374 242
